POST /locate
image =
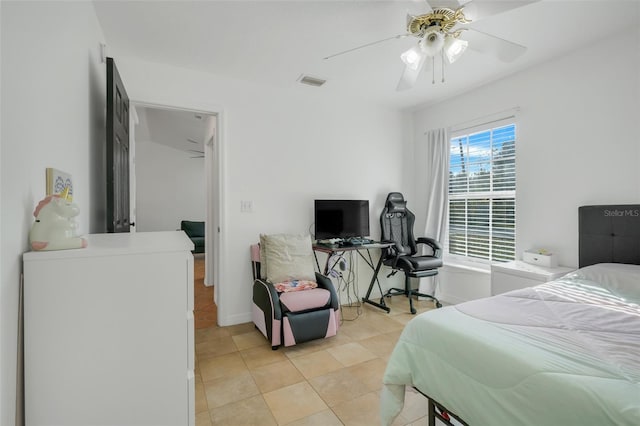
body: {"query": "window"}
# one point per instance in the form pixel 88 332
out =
pixel 482 191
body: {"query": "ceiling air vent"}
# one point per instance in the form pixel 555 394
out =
pixel 311 81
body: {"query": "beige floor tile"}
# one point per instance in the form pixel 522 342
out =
pixel 262 355
pixel 203 419
pixel 338 386
pixel 400 308
pixel 401 421
pixel 220 366
pixel 403 318
pixel 370 373
pixel 307 348
pixel 225 390
pixel 249 411
pixel 382 345
pixel 316 364
pixel 275 376
pixel 361 411
pixel 201 399
pixel 249 340
pixel 382 324
pixel 337 340
pixel 323 418
pixel 351 354
pixel 353 312
pixel 294 402
pixel 359 329
pixel 210 333
pixel 415 405
pixel 215 347
pixel 240 328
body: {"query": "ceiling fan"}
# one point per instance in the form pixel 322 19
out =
pixel 200 154
pixel 196 151
pixel 443 31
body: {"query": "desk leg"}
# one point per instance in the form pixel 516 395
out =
pixel 374 279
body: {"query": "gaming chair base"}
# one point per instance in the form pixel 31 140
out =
pixel 409 292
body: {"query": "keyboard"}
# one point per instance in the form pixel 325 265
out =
pixel 355 242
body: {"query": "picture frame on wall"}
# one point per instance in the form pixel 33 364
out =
pixel 57 181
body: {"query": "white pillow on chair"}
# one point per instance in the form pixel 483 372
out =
pixel 286 257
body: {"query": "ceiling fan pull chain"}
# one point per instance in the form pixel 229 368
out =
pixel 442 61
pixel 433 70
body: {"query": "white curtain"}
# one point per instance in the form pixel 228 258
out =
pixel 436 189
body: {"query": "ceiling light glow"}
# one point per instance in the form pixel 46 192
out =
pixel 413 57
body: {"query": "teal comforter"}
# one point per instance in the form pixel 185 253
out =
pixel 562 353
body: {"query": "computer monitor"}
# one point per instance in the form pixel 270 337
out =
pixel 341 219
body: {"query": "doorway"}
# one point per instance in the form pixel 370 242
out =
pixel 187 190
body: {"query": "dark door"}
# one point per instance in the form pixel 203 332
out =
pixel 117 152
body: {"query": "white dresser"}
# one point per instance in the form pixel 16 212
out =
pixel 108 332
pixel 516 274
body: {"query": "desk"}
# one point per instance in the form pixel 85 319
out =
pixel 333 249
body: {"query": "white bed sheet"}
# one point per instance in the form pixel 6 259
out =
pixel 565 352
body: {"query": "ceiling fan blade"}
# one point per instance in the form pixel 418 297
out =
pixel 504 50
pixel 449 4
pixel 196 151
pixel 366 45
pixel 409 76
pixel 479 9
pixel 420 7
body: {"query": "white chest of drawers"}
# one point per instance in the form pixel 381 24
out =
pixel 517 274
pixel 108 332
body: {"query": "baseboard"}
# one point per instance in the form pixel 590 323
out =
pixel 235 319
pixel 450 299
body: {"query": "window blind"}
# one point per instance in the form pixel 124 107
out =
pixel 482 189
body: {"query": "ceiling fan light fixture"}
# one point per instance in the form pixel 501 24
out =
pixel 454 48
pixel 413 57
pixel 432 42
pixel 469 12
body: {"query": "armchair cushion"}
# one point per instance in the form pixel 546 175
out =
pixel 295 285
pixel 302 301
pixel 286 257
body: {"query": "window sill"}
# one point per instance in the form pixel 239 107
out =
pixel 468 266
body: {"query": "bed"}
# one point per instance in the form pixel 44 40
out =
pixel 565 352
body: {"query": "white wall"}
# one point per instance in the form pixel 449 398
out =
pixel 170 187
pixel 54 83
pixel 577 143
pixel 282 148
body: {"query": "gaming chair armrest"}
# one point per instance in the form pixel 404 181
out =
pixel 325 282
pixel 266 297
pixel 435 245
pixel 390 252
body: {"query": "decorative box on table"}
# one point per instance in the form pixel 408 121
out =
pixel 540 257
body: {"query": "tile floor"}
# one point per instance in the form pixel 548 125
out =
pixel 335 381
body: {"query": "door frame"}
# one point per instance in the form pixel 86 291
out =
pixel 214 160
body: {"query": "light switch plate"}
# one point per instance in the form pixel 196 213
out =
pixel 246 206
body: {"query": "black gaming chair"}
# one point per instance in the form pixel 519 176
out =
pixel 396 223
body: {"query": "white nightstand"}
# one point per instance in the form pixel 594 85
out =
pixel 517 274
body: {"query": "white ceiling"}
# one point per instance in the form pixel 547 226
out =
pixel 274 42
pixel 182 130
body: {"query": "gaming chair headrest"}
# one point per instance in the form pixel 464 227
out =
pixel 395 203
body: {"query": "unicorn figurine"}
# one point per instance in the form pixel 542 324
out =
pixel 55 228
